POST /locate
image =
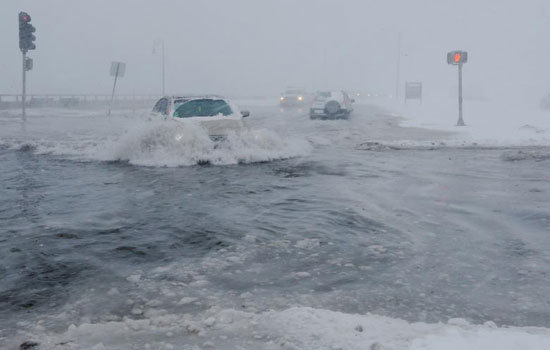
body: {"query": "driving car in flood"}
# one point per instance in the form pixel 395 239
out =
pixel 331 105
pixel 215 113
pixel 294 97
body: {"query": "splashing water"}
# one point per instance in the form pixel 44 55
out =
pixel 175 144
pixel 161 144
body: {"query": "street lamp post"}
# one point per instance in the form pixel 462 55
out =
pixel 161 43
pixel 398 77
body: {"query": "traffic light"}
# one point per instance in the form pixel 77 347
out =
pixel 26 30
pixel 457 57
pixel 28 63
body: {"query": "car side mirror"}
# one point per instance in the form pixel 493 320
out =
pixel 245 114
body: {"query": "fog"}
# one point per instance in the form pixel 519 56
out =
pixel 250 47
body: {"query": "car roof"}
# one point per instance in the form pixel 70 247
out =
pixel 294 89
pixel 331 92
pixel 195 97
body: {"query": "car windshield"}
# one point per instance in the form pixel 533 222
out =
pixel 179 102
pixel 322 95
pixel 203 108
pixel 294 92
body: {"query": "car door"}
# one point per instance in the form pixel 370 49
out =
pixel 161 108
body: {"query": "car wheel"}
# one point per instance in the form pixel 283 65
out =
pixel 332 107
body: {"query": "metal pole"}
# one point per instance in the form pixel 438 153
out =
pixel 163 71
pixel 113 93
pixel 398 67
pixel 460 120
pixel 23 97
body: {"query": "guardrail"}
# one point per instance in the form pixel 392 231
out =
pixel 76 100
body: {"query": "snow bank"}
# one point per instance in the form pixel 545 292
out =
pixel 487 122
pixel 294 328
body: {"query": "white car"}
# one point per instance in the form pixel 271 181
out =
pixel 331 105
pixel 215 113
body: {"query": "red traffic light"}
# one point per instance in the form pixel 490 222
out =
pixel 24 17
pixel 457 57
pixel 26 38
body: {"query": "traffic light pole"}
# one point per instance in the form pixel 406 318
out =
pixel 24 94
pixel 460 120
pixel 458 58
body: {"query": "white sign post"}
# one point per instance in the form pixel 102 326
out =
pixel 118 69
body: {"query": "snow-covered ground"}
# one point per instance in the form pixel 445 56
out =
pixel 292 329
pixel 488 122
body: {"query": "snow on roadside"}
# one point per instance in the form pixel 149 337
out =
pixel 487 122
pixel 294 328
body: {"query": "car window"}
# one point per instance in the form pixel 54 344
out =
pixel 322 95
pixel 337 95
pixel 179 102
pixel 161 106
pixel 203 108
pixel 294 92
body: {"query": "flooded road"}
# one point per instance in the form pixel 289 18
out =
pixel 358 216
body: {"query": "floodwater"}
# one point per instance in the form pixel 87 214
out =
pixel 104 220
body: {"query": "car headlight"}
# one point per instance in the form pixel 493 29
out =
pixel 300 98
pixel 282 98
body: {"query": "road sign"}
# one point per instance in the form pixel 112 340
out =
pixel 458 58
pixel 118 69
pixel 413 91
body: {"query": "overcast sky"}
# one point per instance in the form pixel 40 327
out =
pixel 256 47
